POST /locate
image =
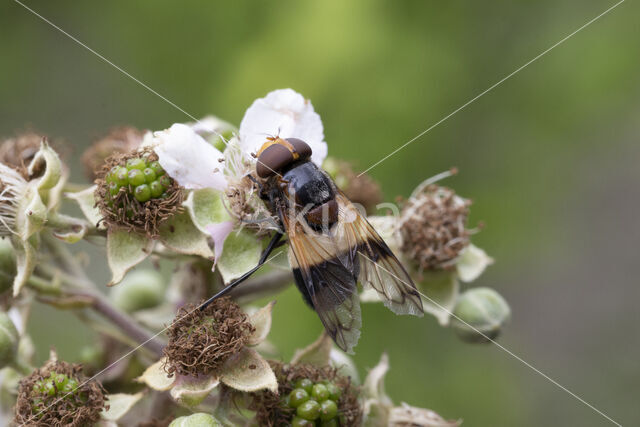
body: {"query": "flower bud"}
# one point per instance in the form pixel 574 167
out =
pixel 196 420
pixel 7 264
pixel 8 340
pixel 139 290
pixel 479 315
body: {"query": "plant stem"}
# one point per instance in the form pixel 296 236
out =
pixel 263 285
pixel 126 323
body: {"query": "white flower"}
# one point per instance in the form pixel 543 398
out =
pixel 284 113
pixel 196 164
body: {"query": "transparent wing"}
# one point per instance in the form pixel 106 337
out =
pixel 378 266
pixel 325 282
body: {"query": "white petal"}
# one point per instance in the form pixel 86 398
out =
pixel 284 113
pixel 219 233
pixel 188 158
pixel 210 124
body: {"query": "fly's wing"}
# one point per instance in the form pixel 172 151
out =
pixel 326 283
pixel 378 266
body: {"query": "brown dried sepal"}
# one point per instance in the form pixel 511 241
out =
pixel 362 189
pixel 144 217
pixel 271 409
pixel 433 227
pixel 120 140
pixel 79 408
pixel 201 341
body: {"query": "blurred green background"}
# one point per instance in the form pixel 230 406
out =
pixel 550 159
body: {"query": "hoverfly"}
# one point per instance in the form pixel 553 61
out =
pixel 332 247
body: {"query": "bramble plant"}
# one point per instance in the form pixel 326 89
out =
pixel 190 195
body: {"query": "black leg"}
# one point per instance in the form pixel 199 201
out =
pixel 263 258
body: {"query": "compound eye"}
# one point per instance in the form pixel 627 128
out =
pixel 273 159
pixel 301 147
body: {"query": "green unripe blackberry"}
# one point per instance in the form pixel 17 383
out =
pixel 143 179
pixel 334 391
pixel 297 397
pixel 330 423
pixel 55 385
pixel 157 168
pixel 142 193
pixel 120 177
pixel 305 383
pixel 149 175
pixel 309 410
pixel 113 188
pixel 320 392
pixel 165 181
pixel 136 177
pixel 136 163
pixel 328 410
pixel 156 189
pixel 301 422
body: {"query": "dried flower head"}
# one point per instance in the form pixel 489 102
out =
pixel 57 395
pixel 361 189
pixel 19 151
pixel 432 226
pixel 134 193
pixel 201 341
pixel 120 140
pixel 282 408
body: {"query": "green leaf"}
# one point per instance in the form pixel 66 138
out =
pixel 440 291
pixel 248 371
pixel 181 235
pixel 191 391
pixel 241 253
pixel 205 207
pixel 87 203
pixel 261 321
pixel 119 405
pixel 317 353
pixel 125 250
pixel 156 377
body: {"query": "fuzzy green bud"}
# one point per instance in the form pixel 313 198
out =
pixel 8 340
pixel 7 264
pixel 196 420
pixel 479 315
pixel 139 290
